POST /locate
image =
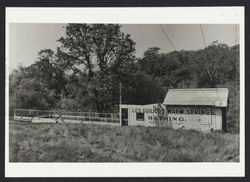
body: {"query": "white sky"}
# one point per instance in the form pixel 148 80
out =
pixel 26 40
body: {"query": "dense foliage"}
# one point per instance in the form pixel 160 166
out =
pixel 93 59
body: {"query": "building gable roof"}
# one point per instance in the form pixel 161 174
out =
pixel 199 96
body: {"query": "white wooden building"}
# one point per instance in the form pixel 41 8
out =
pixel 141 115
pixel 201 109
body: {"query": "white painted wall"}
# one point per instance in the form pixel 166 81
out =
pixel 150 111
pixel 198 118
pixel 203 122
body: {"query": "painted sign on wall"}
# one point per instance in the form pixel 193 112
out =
pixel 174 116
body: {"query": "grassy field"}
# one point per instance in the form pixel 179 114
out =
pixel 93 143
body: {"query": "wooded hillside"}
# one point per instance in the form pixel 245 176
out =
pixel 84 73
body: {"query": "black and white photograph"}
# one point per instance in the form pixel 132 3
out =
pixel 132 93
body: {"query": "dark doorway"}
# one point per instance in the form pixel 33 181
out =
pixel 224 119
pixel 124 117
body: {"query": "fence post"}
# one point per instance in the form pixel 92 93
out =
pixel 37 113
pixel 14 114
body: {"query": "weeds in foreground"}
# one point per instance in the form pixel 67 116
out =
pixel 93 143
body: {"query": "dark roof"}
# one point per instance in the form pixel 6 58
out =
pixel 198 96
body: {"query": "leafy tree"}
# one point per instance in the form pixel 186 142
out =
pixel 215 65
pixel 52 71
pixel 150 61
pixel 142 89
pixel 33 94
pixel 171 69
pixel 94 52
pixel 27 91
pixel 89 47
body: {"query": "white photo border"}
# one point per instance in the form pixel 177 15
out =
pixel 164 15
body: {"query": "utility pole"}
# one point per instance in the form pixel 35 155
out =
pixel 120 91
pixel 120 110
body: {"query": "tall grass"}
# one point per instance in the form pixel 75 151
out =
pixel 94 143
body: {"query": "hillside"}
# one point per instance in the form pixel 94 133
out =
pixel 94 143
pixel 92 75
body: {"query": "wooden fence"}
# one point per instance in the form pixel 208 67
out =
pixel 51 116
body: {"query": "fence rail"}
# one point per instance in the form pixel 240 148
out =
pixel 53 116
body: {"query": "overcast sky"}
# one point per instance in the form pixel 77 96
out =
pixel 26 40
